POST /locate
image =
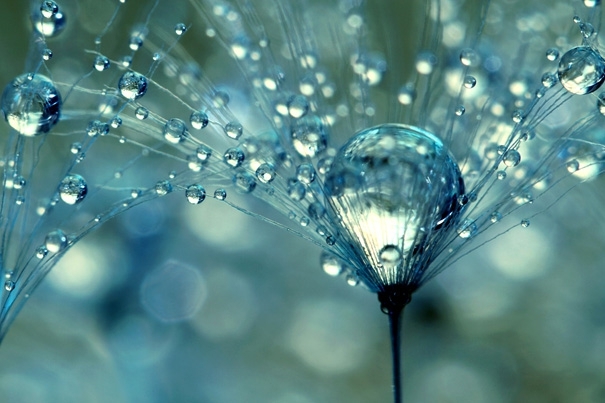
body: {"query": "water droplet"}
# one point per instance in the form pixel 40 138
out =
pixel 244 182
pixel 234 130
pixel 41 252
pixel 47 54
pixel 49 8
pixel 331 265
pixel 367 187
pixel 390 256
pixel 265 173
pixel 48 27
pixel 581 70
pixel 467 229
pixel 517 116
pixel 426 62
pixel 549 80
pixel 234 156
pixel 203 153
pixel 587 29
pixel 101 63
pixel 31 104
pixel 296 190
pixel 55 241
pixel 601 103
pixel 175 131
pixel 9 285
pixel 592 3
pixel 180 29
pixel 309 137
pixel 220 194
pixel 97 128
pixel 501 175
pixel 136 41
pixel 512 158
pixel 573 166
pixel 352 280
pixel 195 194
pixel 316 211
pixel 525 223
pixel 460 110
pixel 495 217
pixel 141 113
pixel 470 82
pixel 298 106
pixel 552 54
pixel 305 173
pixel 162 188
pixel 73 189
pixel 220 99
pixel 116 122
pixel 198 120
pixel 132 85
pixel 468 57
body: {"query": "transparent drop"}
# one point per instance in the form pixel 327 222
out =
pixel 180 29
pixel 9 285
pixel 517 116
pixel 220 99
pixel 244 182
pixel 234 157
pixel 305 173
pixel 552 54
pixel 203 153
pixel 460 110
pixel 511 158
pixel 31 104
pixel 175 131
pixel 49 27
pixel 601 103
pixel 141 113
pixel 73 189
pixel 116 122
pixel 467 229
pixel 19 182
pixel 525 223
pixel 162 188
pixel 425 63
pixel 387 185
pixel 298 106
pixel 309 136
pixel 41 252
pixel 220 194
pixel 592 3
pixel 470 82
pixel 495 217
pixel 549 80
pixel 49 9
pixel 296 190
pixel 581 70
pixel 265 173
pixel 97 128
pixel 501 175
pixel 390 256
pixel 47 54
pixel 573 166
pixel 198 120
pixel 101 63
pixel 468 57
pixel 132 85
pixel 331 265
pixel 55 241
pixel 195 194
pixel 233 130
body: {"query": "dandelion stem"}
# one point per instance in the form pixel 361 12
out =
pixel 392 302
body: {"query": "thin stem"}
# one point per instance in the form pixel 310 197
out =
pixel 395 320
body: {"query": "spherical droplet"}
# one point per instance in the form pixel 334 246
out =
pixel 195 194
pixel 132 85
pixel 97 128
pixel 525 223
pixel 73 189
pixel 9 285
pixel 470 82
pixel 511 158
pixel 220 194
pixel 141 113
pixel 573 166
pixel 331 265
pixel 552 54
pixel 47 54
pixel 55 241
pixel 467 229
pixel 175 131
pixel 305 173
pixel 581 70
pixel 468 57
pixel 203 153
pixel 309 136
pixel 387 186
pixel 198 120
pixel 234 157
pixel 296 190
pixel 162 188
pixel 234 130
pixel 31 104
pixel 101 63
pixel 460 110
pixel 495 217
pixel 298 106
pixel 48 26
pixel 49 8
pixel 265 173
pixel 180 28
pixel 601 103
pixel 390 256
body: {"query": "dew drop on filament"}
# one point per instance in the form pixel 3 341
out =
pixel 581 70
pixel 73 189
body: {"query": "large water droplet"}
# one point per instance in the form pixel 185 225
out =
pixel 175 131
pixel 195 194
pixel 198 120
pixel 265 173
pixel 581 70
pixel 392 186
pixel 31 104
pixel 55 241
pixel 331 264
pixel 234 156
pixel 73 189
pixel 132 85
pixel 48 20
